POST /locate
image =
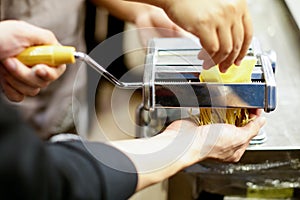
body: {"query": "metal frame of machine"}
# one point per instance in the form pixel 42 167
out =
pixel 171 84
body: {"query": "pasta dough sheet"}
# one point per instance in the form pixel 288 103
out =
pixel 235 74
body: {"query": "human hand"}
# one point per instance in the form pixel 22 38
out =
pixel 218 141
pixel 183 144
pixel 18 80
pixel 223 26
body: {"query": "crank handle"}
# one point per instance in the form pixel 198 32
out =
pixel 52 55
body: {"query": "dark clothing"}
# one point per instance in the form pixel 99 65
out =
pixel 32 169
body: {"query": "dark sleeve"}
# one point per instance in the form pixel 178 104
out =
pixel 32 169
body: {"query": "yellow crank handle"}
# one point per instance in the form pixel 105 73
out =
pixel 52 55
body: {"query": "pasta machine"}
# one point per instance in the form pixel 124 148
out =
pixel 171 85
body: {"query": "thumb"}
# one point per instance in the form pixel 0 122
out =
pixel 254 126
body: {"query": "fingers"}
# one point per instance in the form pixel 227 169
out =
pixel 21 87
pixel 17 71
pixel 49 74
pixel 210 43
pixel 253 127
pixel 237 33
pixel 253 113
pixel 248 34
pixel 226 47
pixel 37 76
pixel 15 89
pixel 226 37
pixel 251 130
pixel 231 142
pixel 10 92
pixel 20 80
pixel 218 141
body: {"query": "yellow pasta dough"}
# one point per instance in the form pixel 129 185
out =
pixel 235 74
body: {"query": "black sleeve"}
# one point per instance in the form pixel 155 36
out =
pixel 32 169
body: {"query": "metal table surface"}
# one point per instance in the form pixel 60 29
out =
pixel 276 31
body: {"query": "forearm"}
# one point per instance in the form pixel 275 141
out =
pixel 156 158
pixel 124 10
pixel 183 144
